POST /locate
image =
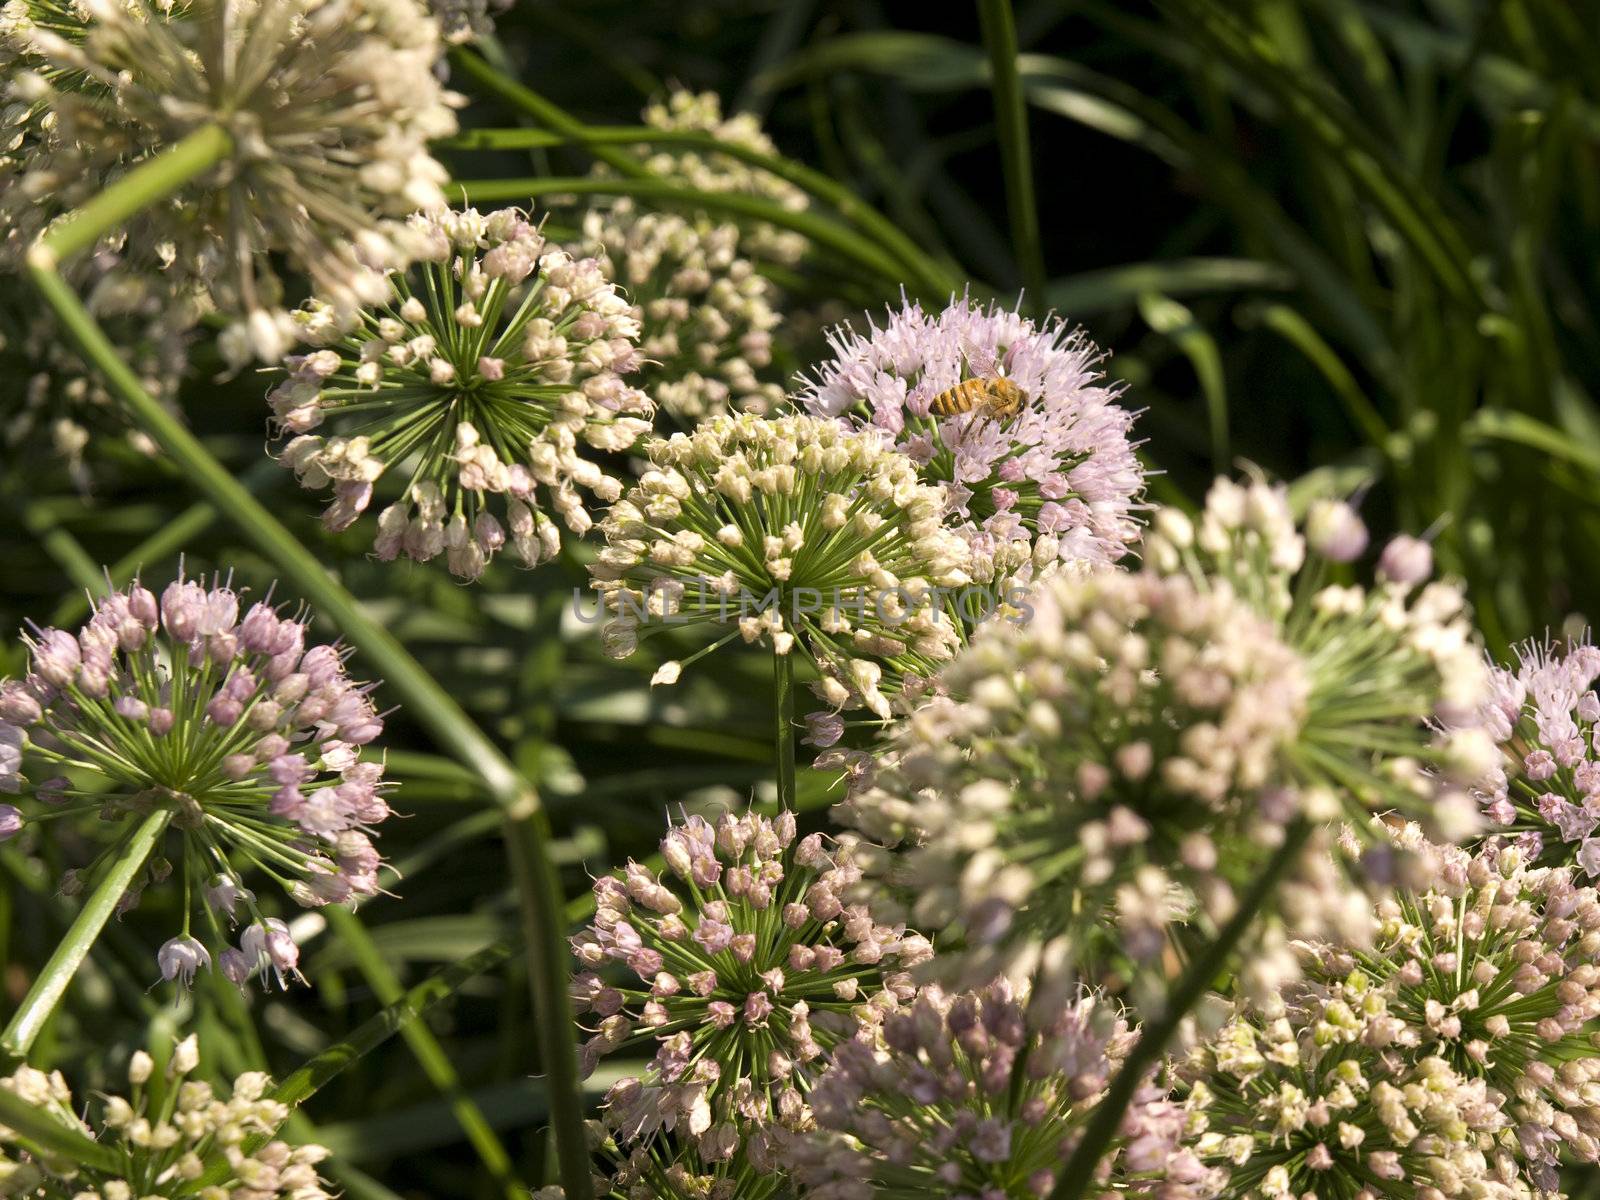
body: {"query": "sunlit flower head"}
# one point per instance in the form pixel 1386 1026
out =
pixel 473 391
pixel 329 104
pixel 710 171
pixel 742 966
pixel 1305 1101
pixel 1120 757
pixel 706 313
pixel 1012 416
pixel 792 529
pixel 1545 789
pixel 247 740
pixel 982 1094
pixel 1392 663
pixel 1494 966
pixel 167 1133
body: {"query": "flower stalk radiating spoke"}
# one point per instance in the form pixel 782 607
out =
pixel 527 833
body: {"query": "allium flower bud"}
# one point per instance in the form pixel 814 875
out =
pixel 1406 560
pixel 1334 531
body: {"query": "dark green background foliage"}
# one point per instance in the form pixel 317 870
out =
pixel 1349 240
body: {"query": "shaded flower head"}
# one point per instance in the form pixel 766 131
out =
pixel 1544 788
pixel 1012 417
pixel 465 21
pixel 245 739
pixel 710 171
pixel 982 1094
pixel 706 313
pixel 329 105
pixel 477 380
pixel 55 407
pixel 1305 1101
pixel 164 1145
pixel 793 528
pixel 1121 755
pixel 1494 966
pixel 742 965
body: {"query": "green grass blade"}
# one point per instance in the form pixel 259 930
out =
pixel 1016 158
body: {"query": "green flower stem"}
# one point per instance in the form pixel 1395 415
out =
pixel 825 232
pixel 135 191
pixel 49 1134
pixel 1011 120
pixel 527 828
pixel 930 277
pixel 51 984
pixel 783 695
pixel 430 1055
pixel 1077 1176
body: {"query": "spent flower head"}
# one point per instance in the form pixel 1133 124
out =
pixel 477 381
pixel 742 966
pixel 1011 416
pixel 1545 787
pixel 328 105
pixel 792 527
pixel 1121 757
pixel 707 314
pixel 1493 965
pixel 165 1145
pixel 712 171
pixel 1308 1101
pixel 244 738
pixel 982 1094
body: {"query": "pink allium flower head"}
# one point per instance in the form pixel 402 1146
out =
pixel 247 741
pixel 1056 482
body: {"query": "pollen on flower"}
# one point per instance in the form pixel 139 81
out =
pixel 475 385
pixel 247 741
pixel 1054 482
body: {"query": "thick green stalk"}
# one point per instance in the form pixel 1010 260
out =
pixel 1078 1174
pixel 841 239
pixel 527 832
pixel 1011 120
pixel 430 1055
pixel 783 727
pixel 929 276
pixel 51 984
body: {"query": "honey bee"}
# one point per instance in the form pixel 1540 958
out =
pixel 994 395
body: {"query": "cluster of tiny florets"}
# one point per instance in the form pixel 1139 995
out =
pixel 1494 965
pixel 1545 716
pixel 1054 482
pixel 1119 756
pixel 1396 671
pixel 246 738
pixel 478 381
pixel 743 965
pixel 166 1146
pixel 980 1094
pixel 1307 1101
pixel 329 105
pixel 710 171
pixel 792 528
pixel 706 313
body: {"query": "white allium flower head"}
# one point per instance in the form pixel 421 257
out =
pixel 165 1138
pixel 475 384
pixel 1054 482
pixel 330 105
pixel 706 313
